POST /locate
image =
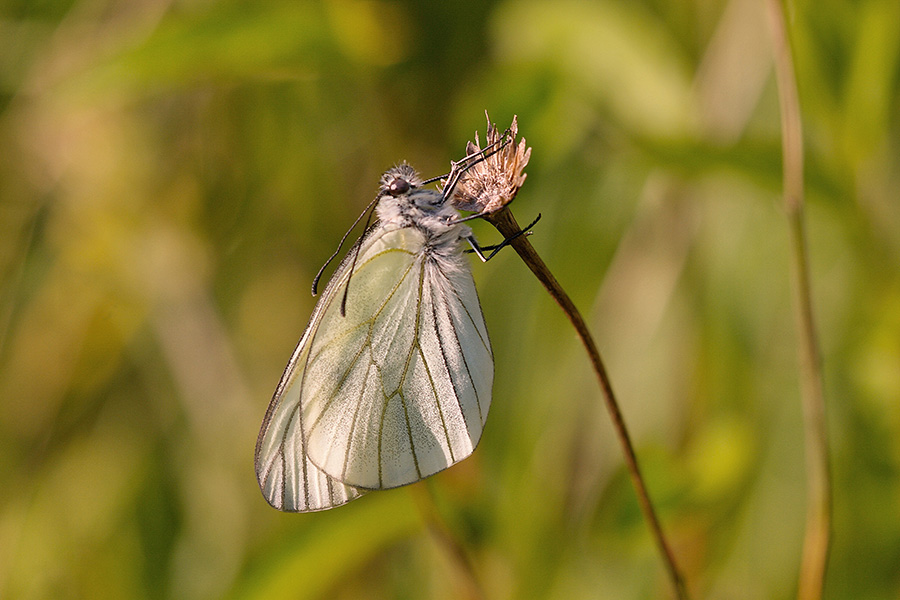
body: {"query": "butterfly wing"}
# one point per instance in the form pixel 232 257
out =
pixel 291 482
pixel 393 391
pixel 287 477
pixel 399 388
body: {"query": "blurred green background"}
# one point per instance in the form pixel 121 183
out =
pixel 172 175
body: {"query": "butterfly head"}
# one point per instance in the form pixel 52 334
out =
pixel 404 202
pixel 399 180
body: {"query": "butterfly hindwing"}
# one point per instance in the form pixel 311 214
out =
pixel 288 479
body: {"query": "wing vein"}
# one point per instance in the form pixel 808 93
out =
pixel 409 357
pixel 362 393
pixel 465 363
pixel 440 337
pixel 485 343
pixel 437 403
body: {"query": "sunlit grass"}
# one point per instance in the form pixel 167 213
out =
pixel 173 176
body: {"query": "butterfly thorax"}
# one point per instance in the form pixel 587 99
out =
pixel 425 210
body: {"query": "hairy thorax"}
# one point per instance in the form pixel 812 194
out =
pixel 426 211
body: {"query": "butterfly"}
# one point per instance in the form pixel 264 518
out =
pixel 391 380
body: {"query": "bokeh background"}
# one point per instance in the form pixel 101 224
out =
pixel 173 173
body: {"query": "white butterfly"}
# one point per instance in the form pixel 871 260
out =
pixel 390 382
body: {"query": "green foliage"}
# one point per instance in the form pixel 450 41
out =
pixel 173 175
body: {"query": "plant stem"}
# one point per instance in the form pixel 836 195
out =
pixel 445 538
pixel 817 539
pixel 507 225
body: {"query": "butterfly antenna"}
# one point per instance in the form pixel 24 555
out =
pixel 356 249
pixel 315 284
pixel 475 157
pixel 460 167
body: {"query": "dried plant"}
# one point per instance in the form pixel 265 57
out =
pixel 494 182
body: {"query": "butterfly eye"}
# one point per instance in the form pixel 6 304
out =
pixel 398 187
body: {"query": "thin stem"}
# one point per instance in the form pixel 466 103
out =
pixel 817 540
pixel 507 225
pixel 447 540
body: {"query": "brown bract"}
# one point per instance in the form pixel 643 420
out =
pixel 494 181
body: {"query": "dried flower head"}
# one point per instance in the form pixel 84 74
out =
pixel 494 181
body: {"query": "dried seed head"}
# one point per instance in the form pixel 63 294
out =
pixel 493 183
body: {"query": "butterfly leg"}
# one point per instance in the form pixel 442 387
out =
pixel 494 249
